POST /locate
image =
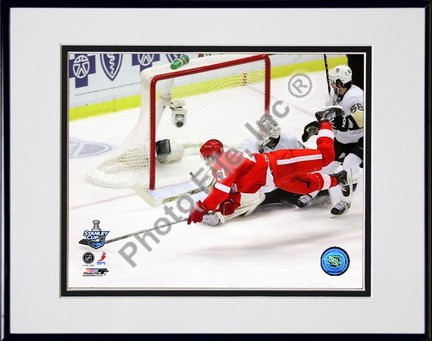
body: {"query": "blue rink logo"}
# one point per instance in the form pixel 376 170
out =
pixel 335 261
pixel 78 148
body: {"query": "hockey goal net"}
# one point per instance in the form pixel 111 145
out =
pixel 219 95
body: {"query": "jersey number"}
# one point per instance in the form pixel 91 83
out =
pixel 356 107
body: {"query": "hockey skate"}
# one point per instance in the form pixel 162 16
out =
pixel 318 198
pixel 340 208
pixel 346 185
pixel 304 200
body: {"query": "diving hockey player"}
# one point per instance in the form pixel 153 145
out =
pixel 269 138
pixel 293 170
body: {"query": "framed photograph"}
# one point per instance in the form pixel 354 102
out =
pixel 232 177
pixel 258 100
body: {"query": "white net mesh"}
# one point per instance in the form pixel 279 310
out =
pixel 219 104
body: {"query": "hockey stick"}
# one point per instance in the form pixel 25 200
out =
pixel 85 241
pixel 152 201
pixel 327 74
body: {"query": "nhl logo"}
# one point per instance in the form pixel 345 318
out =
pixel 95 237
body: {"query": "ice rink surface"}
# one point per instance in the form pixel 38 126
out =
pixel 278 247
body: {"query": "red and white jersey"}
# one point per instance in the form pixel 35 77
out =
pixel 236 172
pixel 290 169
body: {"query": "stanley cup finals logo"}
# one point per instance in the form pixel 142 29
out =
pixel 95 237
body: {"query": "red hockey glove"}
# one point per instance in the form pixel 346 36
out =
pixel 197 213
pixel 228 207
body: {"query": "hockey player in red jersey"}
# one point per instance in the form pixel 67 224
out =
pixel 269 137
pixel 293 170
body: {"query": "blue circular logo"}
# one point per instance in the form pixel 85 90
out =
pixel 335 261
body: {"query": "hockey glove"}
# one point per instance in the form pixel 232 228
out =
pixel 213 219
pixel 228 207
pixel 197 213
pixel 310 130
pixel 329 114
pixel 340 123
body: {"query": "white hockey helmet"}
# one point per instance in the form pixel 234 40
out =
pixel 269 128
pixel 342 73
